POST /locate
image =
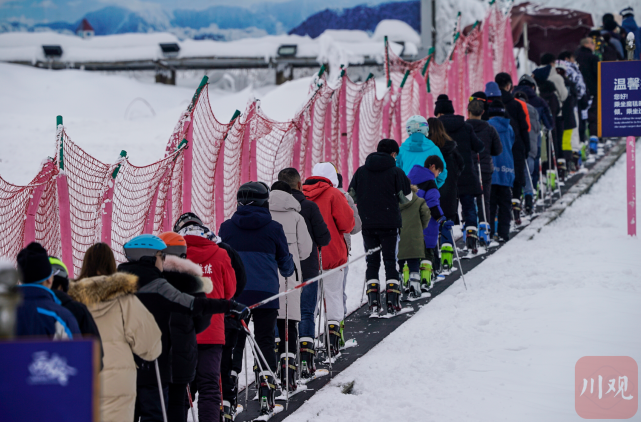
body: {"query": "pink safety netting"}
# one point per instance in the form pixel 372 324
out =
pixel 76 200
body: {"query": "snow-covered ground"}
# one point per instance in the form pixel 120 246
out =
pixel 506 348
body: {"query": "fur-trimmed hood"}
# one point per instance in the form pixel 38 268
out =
pixel 94 290
pixel 186 275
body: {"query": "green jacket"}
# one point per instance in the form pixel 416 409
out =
pixel 416 216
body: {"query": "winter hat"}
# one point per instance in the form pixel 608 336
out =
pixel 34 264
pixel 496 108
pixel 187 219
pixel 492 89
pixel 388 146
pixel 200 231
pixel 60 274
pixel 628 11
pixel 176 244
pixel 326 170
pixel 417 123
pixel 527 80
pixel 542 74
pixel 253 193
pixel 278 185
pixel 443 105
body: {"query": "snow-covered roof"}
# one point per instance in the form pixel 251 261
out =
pixel 84 26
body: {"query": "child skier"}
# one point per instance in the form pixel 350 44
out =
pixel 425 179
pixel 417 147
pixel 503 177
pixel 411 248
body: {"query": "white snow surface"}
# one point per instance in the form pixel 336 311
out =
pixel 506 348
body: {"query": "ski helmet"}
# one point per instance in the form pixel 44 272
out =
pixel 417 124
pixel 60 274
pixel 187 219
pixel 253 193
pixel 176 244
pixel 143 245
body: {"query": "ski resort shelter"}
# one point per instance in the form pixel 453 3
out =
pixel 543 30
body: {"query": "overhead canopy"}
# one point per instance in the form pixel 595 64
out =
pixel 549 29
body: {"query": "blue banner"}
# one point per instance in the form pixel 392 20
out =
pixel 51 381
pixel 620 99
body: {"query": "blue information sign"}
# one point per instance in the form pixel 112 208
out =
pixel 620 99
pixel 51 381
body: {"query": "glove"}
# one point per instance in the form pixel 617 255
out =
pixel 237 313
pixel 445 224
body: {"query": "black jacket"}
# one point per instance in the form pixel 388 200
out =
pixel 569 118
pixel 238 266
pixel 86 322
pixel 375 188
pixel 318 231
pixel 514 109
pixel 467 143
pixel 493 147
pixel 449 192
pixel 547 91
pixel 589 66
pixel 183 329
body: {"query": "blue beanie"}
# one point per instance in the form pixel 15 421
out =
pixel 492 89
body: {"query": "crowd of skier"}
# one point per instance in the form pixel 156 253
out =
pixel 172 321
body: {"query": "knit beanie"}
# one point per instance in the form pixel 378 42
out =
pixel 443 105
pixel 496 108
pixel 34 264
pixel 492 89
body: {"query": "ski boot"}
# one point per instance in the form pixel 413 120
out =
pixel 529 204
pixel 393 296
pixel 266 393
pixel 415 285
pixel 594 145
pixel 229 406
pixel 307 353
pixel 447 257
pixel 334 337
pixel 484 234
pixel 374 296
pixel 426 275
pixel 288 370
pixel 341 343
pixel 562 169
pixel 516 209
pixel 471 240
pixel 406 278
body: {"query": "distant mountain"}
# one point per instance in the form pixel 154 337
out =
pixel 361 17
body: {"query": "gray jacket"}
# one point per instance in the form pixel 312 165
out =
pixel 357 219
pixel 535 130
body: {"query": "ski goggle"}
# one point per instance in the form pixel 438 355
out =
pixel 477 99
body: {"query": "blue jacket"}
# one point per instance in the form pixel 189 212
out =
pixel 504 162
pixel 630 25
pixel 41 314
pixel 262 246
pixel 424 179
pixel 415 150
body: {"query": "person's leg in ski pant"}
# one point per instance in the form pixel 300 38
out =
pixel 468 207
pixel 345 271
pixel 519 178
pixel 389 247
pixel 207 382
pixel 237 361
pixel 177 406
pixel 308 299
pixel 333 290
pixel 494 201
pixel 264 324
pixel 292 334
pixel 226 365
pixel 148 407
pixel 371 240
pixel 504 211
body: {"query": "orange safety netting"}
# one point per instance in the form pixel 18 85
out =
pixel 76 200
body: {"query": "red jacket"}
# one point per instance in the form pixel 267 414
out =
pixel 338 216
pixel 216 266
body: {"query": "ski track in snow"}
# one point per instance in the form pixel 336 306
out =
pixel 506 349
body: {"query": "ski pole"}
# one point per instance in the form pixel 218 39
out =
pixel 478 159
pixel 458 259
pixel 527 169
pixel 162 397
pixel 556 171
pixel 363 291
pixel 327 342
pixel 258 351
pixel 287 348
pixel 246 377
pixel 312 280
pixel 191 404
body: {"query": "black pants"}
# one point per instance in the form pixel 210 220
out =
pixel 519 178
pixel 178 403
pixel 148 407
pixel 292 335
pixel 264 332
pixel 226 364
pixel 484 214
pixel 207 382
pixel 501 205
pixel 593 117
pixel 558 138
pixel 386 239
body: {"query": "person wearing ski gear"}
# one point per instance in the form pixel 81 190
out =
pixel 321 237
pixel 321 188
pixel 262 245
pixel 468 184
pixel 589 67
pixel 490 138
pixel 41 313
pixel 630 25
pixel 411 246
pixel 535 137
pixel 454 162
pixel 503 177
pixel 284 209
pixel 145 255
pixel 417 147
pixel 127 328
pixel 378 188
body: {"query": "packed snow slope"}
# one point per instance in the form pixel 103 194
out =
pixel 506 348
